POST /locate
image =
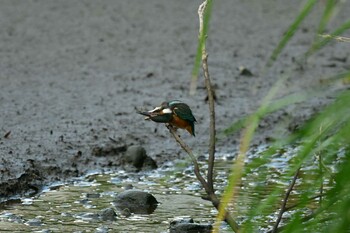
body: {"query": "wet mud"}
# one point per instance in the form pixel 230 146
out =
pixel 72 75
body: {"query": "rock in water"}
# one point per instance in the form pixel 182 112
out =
pixel 188 226
pixel 108 214
pixel 136 201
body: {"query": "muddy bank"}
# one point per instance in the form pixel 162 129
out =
pixel 72 74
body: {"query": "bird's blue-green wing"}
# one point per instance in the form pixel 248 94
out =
pixel 184 112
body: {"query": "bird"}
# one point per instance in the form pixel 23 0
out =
pixel 175 113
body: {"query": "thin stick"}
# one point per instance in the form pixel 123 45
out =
pixel 284 203
pixel 193 158
pixel 212 196
pixel 309 199
pixel 314 213
pixel 201 12
pixel 321 174
pixel 338 38
pixel 321 168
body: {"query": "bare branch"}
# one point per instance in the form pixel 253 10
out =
pixel 212 132
pixel 211 195
pixel 284 203
pixel 193 158
pixel 319 196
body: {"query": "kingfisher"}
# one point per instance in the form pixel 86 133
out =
pixel 175 113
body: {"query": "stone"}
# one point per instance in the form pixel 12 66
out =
pixel 149 164
pixel 136 155
pixel 102 229
pixel 188 226
pixel 136 201
pixel 93 195
pixel 34 222
pixel 108 214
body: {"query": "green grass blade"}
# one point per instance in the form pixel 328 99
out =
pixel 231 189
pixel 327 15
pixel 291 30
pixel 289 100
pixel 272 107
pixel 321 43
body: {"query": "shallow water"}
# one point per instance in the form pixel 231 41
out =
pixel 74 207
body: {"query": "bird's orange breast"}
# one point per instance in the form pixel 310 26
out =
pixel 180 123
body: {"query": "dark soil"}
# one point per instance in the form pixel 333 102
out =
pixel 73 72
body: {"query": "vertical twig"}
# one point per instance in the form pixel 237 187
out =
pixel 193 158
pixel 321 174
pixel 321 168
pixel 284 203
pixel 203 12
pixel 207 184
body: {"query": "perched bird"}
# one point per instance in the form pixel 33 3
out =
pixel 174 113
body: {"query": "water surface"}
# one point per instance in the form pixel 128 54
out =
pixel 75 206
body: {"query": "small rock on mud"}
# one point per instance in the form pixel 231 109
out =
pixel 108 150
pixel 137 156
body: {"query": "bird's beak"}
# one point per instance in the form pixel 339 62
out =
pixel 147 114
pixel 151 113
pixel 158 111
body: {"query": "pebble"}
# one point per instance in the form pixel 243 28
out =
pixel 34 222
pixel 108 214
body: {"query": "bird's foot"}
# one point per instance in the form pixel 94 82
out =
pixel 169 126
